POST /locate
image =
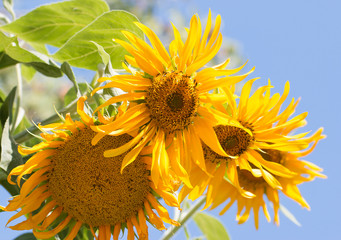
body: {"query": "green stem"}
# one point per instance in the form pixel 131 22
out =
pixel 19 95
pixel 26 135
pixel 183 219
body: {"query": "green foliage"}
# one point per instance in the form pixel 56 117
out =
pixel 103 54
pixel 210 226
pixel 66 68
pixel 26 236
pixel 27 72
pixel 6 108
pixel 55 23
pixel 5 60
pixel 23 125
pixel 79 51
pixel 84 234
pixel 3 175
pixel 71 95
pixel 105 59
pixel 10 157
pixel 10 47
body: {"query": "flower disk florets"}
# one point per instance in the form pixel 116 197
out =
pixel 233 140
pixel 172 100
pixel 90 187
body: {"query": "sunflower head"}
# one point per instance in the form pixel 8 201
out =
pixel 167 93
pixel 72 185
pixel 270 165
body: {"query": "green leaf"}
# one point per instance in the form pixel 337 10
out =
pixel 105 59
pixel 10 157
pixel 26 236
pixel 55 23
pixel 40 47
pixel 84 234
pixel 27 72
pixel 2 96
pixel 103 54
pixel 79 50
pixel 10 46
pixel 7 106
pixel 66 68
pixel 5 41
pixel 289 215
pixel 210 226
pixel 71 95
pixel 3 175
pixel 22 126
pixel 49 70
pixel 6 61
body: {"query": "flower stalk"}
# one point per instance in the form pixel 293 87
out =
pixel 183 219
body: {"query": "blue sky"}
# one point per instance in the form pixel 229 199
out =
pixel 296 41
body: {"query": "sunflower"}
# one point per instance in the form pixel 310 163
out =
pixel 258 127
pixel 167 92
pixel 305 171
pixel 72 185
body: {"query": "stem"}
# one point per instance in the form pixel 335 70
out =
pixel 19 95
pixel 26 135
pixel 183 219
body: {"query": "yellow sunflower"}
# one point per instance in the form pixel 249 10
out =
pixel 305 171
pixel 258 126
pixel 72 185
pixel 170 89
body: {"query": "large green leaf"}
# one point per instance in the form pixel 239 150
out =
pixel 210 226
pixel 80 51
pixel 15 54
pixel 26 236
pixel 55 23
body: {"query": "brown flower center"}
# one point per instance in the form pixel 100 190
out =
pixel 90 187
pixel 233 140
pixel 273 155
pixel 172 100
pixel 249 182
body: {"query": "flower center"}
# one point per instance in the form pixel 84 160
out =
pixel 172 100
pixel 249 182
pixel 175 101
pixel 233 140
pixel 273 155
pixel 90 187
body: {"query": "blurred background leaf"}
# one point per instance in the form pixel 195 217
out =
pixel 210 226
